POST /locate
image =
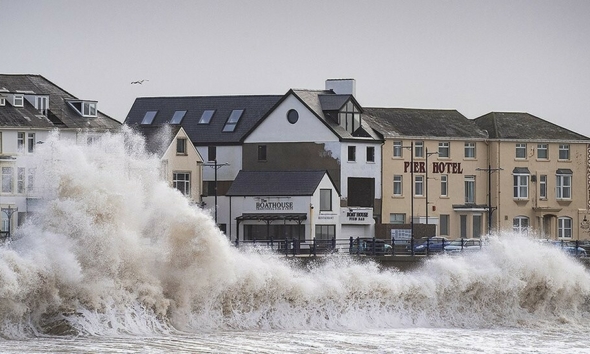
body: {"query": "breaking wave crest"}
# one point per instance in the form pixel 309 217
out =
pixel 114 250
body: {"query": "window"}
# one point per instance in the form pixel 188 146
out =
pixel 206 116
pixel 564 151
pixel 542 151
pixel 20 180
pixel 397 218
pixel 520 224
pixel 521 186
pixel 211 153
pixel 325 232
pixel 233 120
pixel 370 154
pixel 463 226
pixel 476 225
pixel 180 146
pixel 292 116
pixel 149 116
pixel 2 101
pixel 470 189
pixel 543 186
pixel 0 142
pixel 443 149
pixel 563 184
pixel 20 141
pixel 325 199
pixel 18 101
pixel 182 182
pixel 564 227
pixel 397 149
pixel 350 117
pixel 31 142
pixel 352 153
pixel 469 150
pixel 89 109
pixel 177 117
pixel 41 104
pixel 520 151
pixel 261 152
pixel 31 180
pixel 444 224
pixel 397 185
pixel 419 185
pixel 419 149
pixel 444 186
pixel 7 179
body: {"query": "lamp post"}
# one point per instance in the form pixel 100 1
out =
pixel 216 166
pixel 9 211
pixel 426 189
pixel 490 170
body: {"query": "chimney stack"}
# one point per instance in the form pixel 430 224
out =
pixel 342 86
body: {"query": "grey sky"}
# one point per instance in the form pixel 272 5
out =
pixel 473 56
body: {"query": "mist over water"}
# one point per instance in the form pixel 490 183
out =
pixel 114 250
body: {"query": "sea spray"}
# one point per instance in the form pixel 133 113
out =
pixel 114 249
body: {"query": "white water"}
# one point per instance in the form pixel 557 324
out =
pixel 115 253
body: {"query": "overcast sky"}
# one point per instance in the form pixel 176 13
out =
pixel 473 56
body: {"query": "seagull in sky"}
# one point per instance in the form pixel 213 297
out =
pixel 138 82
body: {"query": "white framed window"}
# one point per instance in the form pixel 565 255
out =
pixel 31 180
pixel 564 227
pixel 470 189
pixel 31 142
pixel 89 109
pixel 182 182
pixel 7 179
pixel 18 101
pixel 469 150
pixel 20 180
pixel 444 185
pixel 543 151
pixel 418 186
pixel 397 218
pixel 397 149
pixel 41 103
pixel 444 149
pixel 370 154
pixel 325 199
pixel 520 151
pixel 564 151
pixel 520 224
pixel 521 186
pixel 397 185
pixel 543 186
pixel 351 153
pixel 563 186
pixel 419 149
pixel 20 141
pixel 2 101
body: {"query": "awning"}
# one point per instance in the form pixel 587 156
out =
pixel 564 171
pixel 272 216
pixel 470 207
pixel 521 171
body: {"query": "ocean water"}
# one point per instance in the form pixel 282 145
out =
pixel 116 261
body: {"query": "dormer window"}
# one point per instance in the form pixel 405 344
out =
pixel 18 100
pixel 233 120
pixel 41 104
pixel 2 101
pixel 84 108
pixel 349 117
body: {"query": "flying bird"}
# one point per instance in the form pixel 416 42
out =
pixel 139 82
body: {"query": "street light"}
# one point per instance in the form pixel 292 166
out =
pixel 9 211
pixel 490 170
pixel 426 189
pixel 216 166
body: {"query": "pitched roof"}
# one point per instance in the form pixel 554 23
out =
pixel 275 183
pixel 254 108
pixel 158 138
pixel 60 113
pixel 397 122
pixel 517 125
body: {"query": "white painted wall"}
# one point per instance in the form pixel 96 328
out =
pixel 225 154
pixel 360 167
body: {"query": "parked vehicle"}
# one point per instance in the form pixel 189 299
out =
pixel 434 244
pixel 463 245
pixel 369 246
pixel 569 248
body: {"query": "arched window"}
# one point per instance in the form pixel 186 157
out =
pixel 520 224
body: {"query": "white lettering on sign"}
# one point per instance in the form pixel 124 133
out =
pixel 274 205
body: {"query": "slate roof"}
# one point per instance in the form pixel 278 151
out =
pixel 275 183
pixel 60 114
pixel 523 126
pixel 398 122
pixel 255 107
pixel 158 138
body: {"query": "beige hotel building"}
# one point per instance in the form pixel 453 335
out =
pixel 441 168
